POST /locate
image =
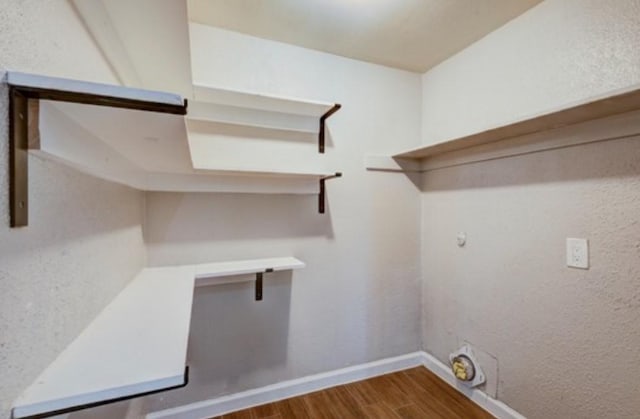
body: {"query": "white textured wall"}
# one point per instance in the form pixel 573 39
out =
pixel 358 298
pixel 558 52
pixel 84 239
pixel 47 37
pixel 559 335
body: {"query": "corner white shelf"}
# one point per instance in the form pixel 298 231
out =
pixel 139 138
pixel 138 344
pixel 598 107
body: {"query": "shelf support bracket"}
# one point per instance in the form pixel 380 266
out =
pixel 259 286
pixel 18 158
pixel 259 276
pixel 109 401
pixel 323 118
pixel 322 194
pixel 23 130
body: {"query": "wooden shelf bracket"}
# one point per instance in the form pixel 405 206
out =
pixel 23 123
pixel 18 158
pixel 259 276
pixel 322 194
pixel 323 118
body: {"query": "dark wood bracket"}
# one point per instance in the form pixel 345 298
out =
pixel 323 118
pixel 322 194
pixel 259 283
pixel 109 401
pixel 259 286
pixel 18 158
pixel 20 100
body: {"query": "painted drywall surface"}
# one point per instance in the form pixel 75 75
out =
pixel 46 37
pixel 84 239
pixel 558 334
pixel 358 298
pixel 141 41
pixel 560 51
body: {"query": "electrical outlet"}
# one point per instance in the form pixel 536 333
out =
pixel 578 253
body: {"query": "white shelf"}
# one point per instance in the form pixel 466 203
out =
pixel 266 172
pixel 260 101
pixel 613 103
pixel 140 138
pixel 138 343
pixel 152 151
pixel 257 110
pixel 210 273
pixel 34 81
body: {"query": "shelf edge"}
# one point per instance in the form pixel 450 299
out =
pixel 598 107
pixel 41 84
pixel 89 400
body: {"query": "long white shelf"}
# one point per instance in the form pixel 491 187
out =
pixel 138 343
pixel 598 107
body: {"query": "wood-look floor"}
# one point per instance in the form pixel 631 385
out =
pixel 414 393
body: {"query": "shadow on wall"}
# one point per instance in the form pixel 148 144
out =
pixel 606 159
pixel 416 179
pixel 47 203
pixel 178 217
pixel 234 339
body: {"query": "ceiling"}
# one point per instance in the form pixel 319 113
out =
pixel 409 34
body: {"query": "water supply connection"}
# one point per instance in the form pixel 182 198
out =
pixel 466 368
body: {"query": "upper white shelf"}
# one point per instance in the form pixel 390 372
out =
pixel 259 101
pixel 140 138
pixel 613 103
pixel 67 86
pixel 137 344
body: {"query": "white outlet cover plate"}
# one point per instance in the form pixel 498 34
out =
pixel 479 377
pixel 578 253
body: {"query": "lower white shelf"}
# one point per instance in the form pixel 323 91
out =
pixel 137 344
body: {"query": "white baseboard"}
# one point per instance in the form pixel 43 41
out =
pixel 287 389
pixel 292 388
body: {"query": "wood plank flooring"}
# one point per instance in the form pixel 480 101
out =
pixel 411 394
